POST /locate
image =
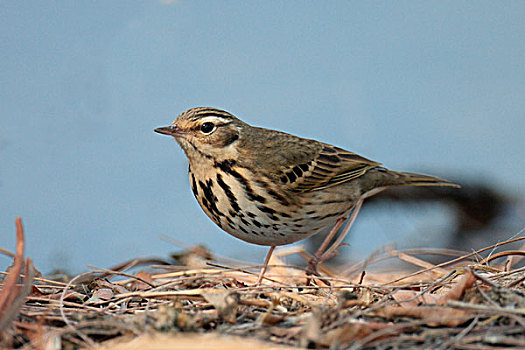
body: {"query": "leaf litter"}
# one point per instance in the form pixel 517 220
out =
pixel 198 300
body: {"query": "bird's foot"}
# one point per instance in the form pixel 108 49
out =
pixel 311 270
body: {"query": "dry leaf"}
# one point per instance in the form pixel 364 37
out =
pixel 100 296
pixel 139 285
pixel 456 292
pixel 225 302
pixel 433 315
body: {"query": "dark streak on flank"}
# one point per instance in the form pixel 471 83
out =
pixel 283 214
pixel 278 197
pixel 281 199
pixel 227 190
pixel 209 200
pixel 334 201
pixel 246 223
pixel 272 213
pixel 269 212
pixel 194 188
pixel 329 215
pixel 227 167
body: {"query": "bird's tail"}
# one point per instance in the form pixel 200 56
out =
pixel 414 179
pixel 380 178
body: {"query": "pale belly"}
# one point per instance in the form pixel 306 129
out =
pixel 256 212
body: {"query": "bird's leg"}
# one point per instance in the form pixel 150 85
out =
pixel 322 255
pixel 332 251
pixel 316 258
pixel 265 265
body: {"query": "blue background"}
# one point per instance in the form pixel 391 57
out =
pixel 435 86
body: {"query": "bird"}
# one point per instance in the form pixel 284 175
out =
pixel 271 188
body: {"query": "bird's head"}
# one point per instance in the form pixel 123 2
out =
pixel 206 132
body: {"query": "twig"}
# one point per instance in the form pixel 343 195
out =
pixel 118 273
pixel 450 262
pixel 485 308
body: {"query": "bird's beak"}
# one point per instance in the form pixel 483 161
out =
pixel 172 130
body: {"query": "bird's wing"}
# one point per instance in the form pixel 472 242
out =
pixel 329 167
pixel 298 164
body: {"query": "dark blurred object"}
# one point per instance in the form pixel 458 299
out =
pixel 482 214
pixel 477 205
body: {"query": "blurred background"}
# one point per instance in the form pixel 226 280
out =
pixel 433 86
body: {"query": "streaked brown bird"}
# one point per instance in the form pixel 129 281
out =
pixel 271 188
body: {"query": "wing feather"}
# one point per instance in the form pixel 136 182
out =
pixel 330 167
pixel 299 164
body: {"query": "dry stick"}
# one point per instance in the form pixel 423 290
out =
pixel 7 252
pixel 512 260
pixel 187 273
pixel 386 301
pixel 215 256
pixel 12 297
pixel 40 279
pixel 126 265
pixel 415 261
pixel 118 273
pixel 479 307
pixel 9 289
pixel 73 305
pixel 285 285
pixel 376 256
pixel 433 251
pixel 21 295
pixel 431 286
pixel 239 269
pixel 483 279
pixel 457 259
pixel 500 254
pixel 508 273
pixel 373 257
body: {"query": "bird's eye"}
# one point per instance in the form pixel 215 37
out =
pixel 208 128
